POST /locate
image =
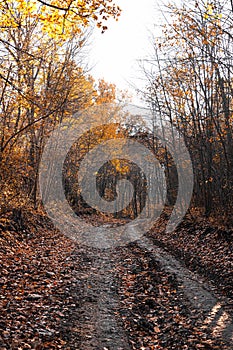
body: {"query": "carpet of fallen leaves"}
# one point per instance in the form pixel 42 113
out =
pixel 42 288
pixel 33 268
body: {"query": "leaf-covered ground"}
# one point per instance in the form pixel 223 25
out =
pixel 56 295
pixel 205 248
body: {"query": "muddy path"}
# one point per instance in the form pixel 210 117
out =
pixel 98 326
pixel 97 323
pixel 200 294
pixel 57 295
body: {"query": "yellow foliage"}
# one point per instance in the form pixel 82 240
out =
pixel 210 12
pixel 59 19
pixel 120 166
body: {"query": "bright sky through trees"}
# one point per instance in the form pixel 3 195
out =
pixel 115 53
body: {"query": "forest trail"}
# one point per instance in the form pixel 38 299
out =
pixel 58 295
pixel 100 328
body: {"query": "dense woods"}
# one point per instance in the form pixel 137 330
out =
pixel 190 84
pixel 43 81
pixel 118 287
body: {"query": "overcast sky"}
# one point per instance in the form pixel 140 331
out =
pixel 114 54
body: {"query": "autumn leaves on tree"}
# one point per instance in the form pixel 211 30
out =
pixel 42 82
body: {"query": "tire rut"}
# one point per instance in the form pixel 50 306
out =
pixel 95 321
pixel 218 314
pixel 99 327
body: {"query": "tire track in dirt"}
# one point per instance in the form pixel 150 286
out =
pixel 218 319
pixel 95 319
pixel 99 328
